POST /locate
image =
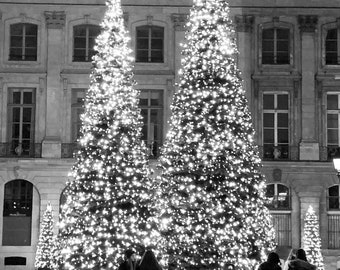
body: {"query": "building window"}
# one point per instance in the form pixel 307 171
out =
pixel 23 42
pixel 283 229
pixel 151 104
pixel 275 46
pixel 333 112
pixel 150 44
pixel 78 96
pixel 17 214
pixel 333 198
pixel 84 37
pixel 21 111
pixel 332 48
pixel 278 197
pixel 275 126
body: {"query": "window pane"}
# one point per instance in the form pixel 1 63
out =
pixel 79 31
pixel 16 231
pixel 283 46
pixel 94 31
pixel 31 42
pixel 332 102
pixel 92 42
pixel 282 136
pixel 142 31
pixel 156 98
pixel 16 42
pixel 31 54
pixel 156 56
pixel 282 33
pixel 27 115
pixel 79 42
pixel 157 32
pixel 157 44
pixel 16 97
pixel 282 190
pixel 331 58
pixel 143 102
pixel 142 43
pixel 15 131
pixel 282 119
pixel 333 191
pixel 144 114
pixel 26 131
pixel 268 58
pixel 332 136
pixel 268 33
pixel 331 46
pixel 31 29
pixel 282 58
pixel 268 136
pixel 16 115
pixel 268 101
pixel 268 46
pixel 28 98
pixel 15 54
pixel 332 34
pixel 268 120
pixel 16 29
pixel 282 102
pixel 332 121
pixel 142 56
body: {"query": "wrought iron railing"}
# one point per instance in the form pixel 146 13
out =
pixel 8 150
pixel 279 153
pixel 279 202
pixel 334 231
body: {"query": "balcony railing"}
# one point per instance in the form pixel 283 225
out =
pixel 279 153
pixel 8 150
pixel 279 202
pixel 334 231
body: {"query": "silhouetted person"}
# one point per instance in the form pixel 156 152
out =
pixel 149 262
pixel 130 261
pixel 272 262
pixel 300 263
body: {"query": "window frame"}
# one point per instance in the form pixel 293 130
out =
pixel 331 148
pixel 277 195
pixel 324 29
pixel 149 107
pixel 10 121
pixel 75 107
pixel 149 49
pixel 87 26
pixel 276 24
pixel 276 111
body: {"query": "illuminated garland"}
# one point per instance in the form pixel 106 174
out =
pixel 212 192
pixel 107 207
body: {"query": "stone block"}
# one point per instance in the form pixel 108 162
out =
pixel 51 148
pixel 309 151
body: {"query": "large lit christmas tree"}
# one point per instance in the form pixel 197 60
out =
pixel 107 202
pixel 44 254
pixel 311 239
pixel 212 199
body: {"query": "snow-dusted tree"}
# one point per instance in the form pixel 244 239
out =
pixel 212 203
pixel 311 239
pixel 44 254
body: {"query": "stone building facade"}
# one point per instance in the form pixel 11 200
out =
pixel 290 61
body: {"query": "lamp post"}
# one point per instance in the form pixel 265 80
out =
pixel 336 162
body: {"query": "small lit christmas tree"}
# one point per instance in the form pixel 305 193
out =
pixel 212 193
pixel 107 207
pixel 311 239
pixel 44 254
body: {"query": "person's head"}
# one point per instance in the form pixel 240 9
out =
pixel 273 258
pixel 130 254
pixel 301 254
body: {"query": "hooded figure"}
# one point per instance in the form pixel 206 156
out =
pixel 272 262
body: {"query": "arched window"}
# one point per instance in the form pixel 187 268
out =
pixel 17 213
pixel 276 46
pixel 150 44
pixel 23 42
pixel 333 198
pixel 84 37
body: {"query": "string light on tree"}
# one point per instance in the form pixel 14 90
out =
pixel 108 202
pixel 311 239
pixel 44 255
pixel 212 192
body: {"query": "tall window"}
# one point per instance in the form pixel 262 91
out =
pixel 151 104
pixel 83 42
pixel 149 44
pixel 278 197
pixel 78 96
pixel 275 126
pixel 333 112
pixel 279 202
pixel 275 46
pixel 17 213
pixel 332 47
pixel 333 217
pixel 21 111
pixel 23 42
